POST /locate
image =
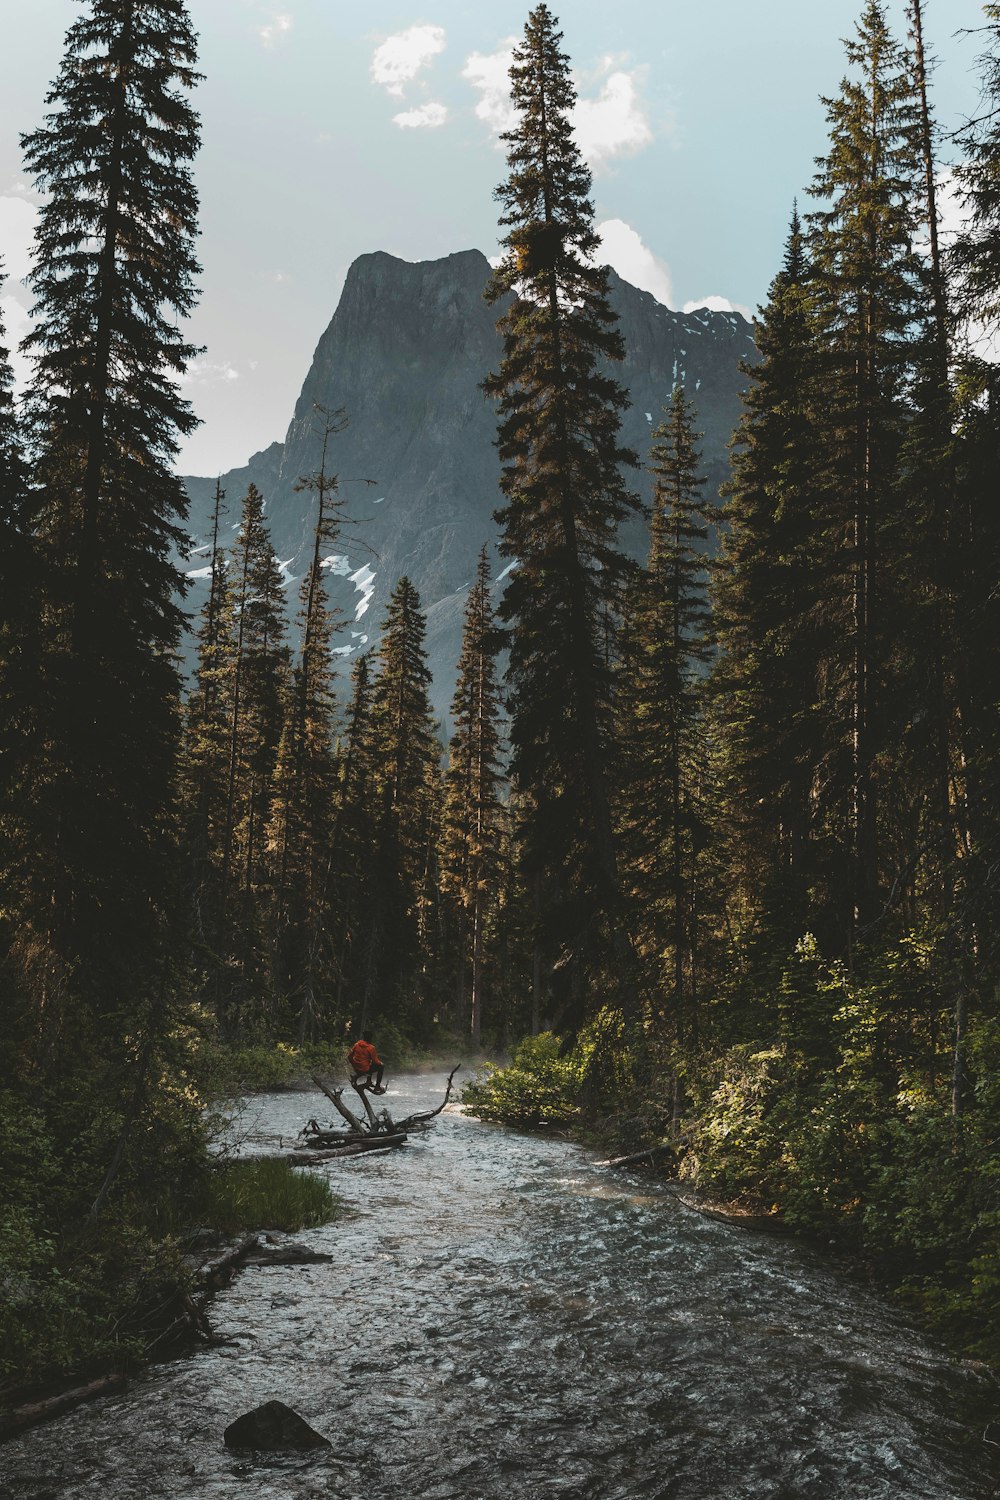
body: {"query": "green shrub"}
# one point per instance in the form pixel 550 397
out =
pixel 540 1087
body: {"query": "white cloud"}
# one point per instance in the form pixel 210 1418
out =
pixel 718 304
pixel 623 248
pixel 210 372
pixel 275 29
pixel 614 123
pixel 981 339
pixel 399 59
pixel 16 323
pixel 490 73
pixel 17 228
pixel 424 117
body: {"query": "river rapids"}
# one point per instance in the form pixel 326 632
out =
pixel 505 1317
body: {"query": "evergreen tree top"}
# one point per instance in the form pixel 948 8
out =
pixel 118 228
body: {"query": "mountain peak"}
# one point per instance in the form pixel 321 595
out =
pixel 405 354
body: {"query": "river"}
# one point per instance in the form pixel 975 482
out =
pixel 506 1318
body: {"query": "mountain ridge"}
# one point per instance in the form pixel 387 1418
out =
pixel 404 354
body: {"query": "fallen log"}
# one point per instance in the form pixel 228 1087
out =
pixel 216 1273
pixel 318 1139
pixel 300 1158
pixel 23 1417
pixel 636 1156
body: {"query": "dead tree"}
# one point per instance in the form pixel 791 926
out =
pixel 373 1127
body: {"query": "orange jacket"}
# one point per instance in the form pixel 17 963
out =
pixel 363 1057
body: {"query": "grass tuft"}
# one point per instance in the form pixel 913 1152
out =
pixel 266 1195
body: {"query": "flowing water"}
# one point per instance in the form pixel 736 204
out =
pixel 504 1317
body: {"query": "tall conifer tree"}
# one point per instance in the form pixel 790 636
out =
pixel 302 807
pixel 867 279
pixel 562 478
pixel 662 701
pixel 408 753
pixel 772 703
pixel 16 559
pixel 204 761
pixel 113 274
pixel 473 816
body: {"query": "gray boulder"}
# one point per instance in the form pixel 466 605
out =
pixel 273 1427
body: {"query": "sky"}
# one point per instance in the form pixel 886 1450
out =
pixel 331 129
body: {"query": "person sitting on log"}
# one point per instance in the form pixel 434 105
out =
pixel 366 1066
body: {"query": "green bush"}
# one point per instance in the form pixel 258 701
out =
pixel 540 1086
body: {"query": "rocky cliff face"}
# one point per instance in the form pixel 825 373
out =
pixel 404 355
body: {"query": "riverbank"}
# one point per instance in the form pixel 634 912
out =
pixel 228 1070
pixel 119 1293
pixel 895 1186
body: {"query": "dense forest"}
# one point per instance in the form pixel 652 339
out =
pixel 712 850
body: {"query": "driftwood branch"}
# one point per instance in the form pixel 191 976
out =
pixel 334 1096
pixel 636 1157
pixel 429 1114
pixel 23 1417
pixel 362 1094
pixel 375 1129
pixel 381 1142
pixel 217 1272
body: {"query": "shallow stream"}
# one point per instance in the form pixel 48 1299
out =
pixel 504 1317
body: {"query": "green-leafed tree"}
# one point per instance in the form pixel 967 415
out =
pixel 408 754
pixel 662 700
pixel 975 254
pixel 559 419
pixel 256 601
pixel 473 818
pixel 112 278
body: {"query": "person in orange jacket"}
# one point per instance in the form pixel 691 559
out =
pixel 366 1065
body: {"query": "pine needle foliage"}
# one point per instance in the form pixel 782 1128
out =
pixel 662 697
pixel 472 831
pixel 559 418
pixel 113 274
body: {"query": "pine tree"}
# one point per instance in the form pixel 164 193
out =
pixel 771 701
pixel 205 745
pixel 473 816
pixel 975 255
pixel 16 567
pixel 302 807
pixel 408 754
pixel 974 258
pixel 257 602
pixel 113 273
pixel 352 851
pixel 562 478
pixel 243 697
pixel 18 659
pixel 867 278
pixel 662 700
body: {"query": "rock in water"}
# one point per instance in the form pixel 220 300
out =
pixel 272 1427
